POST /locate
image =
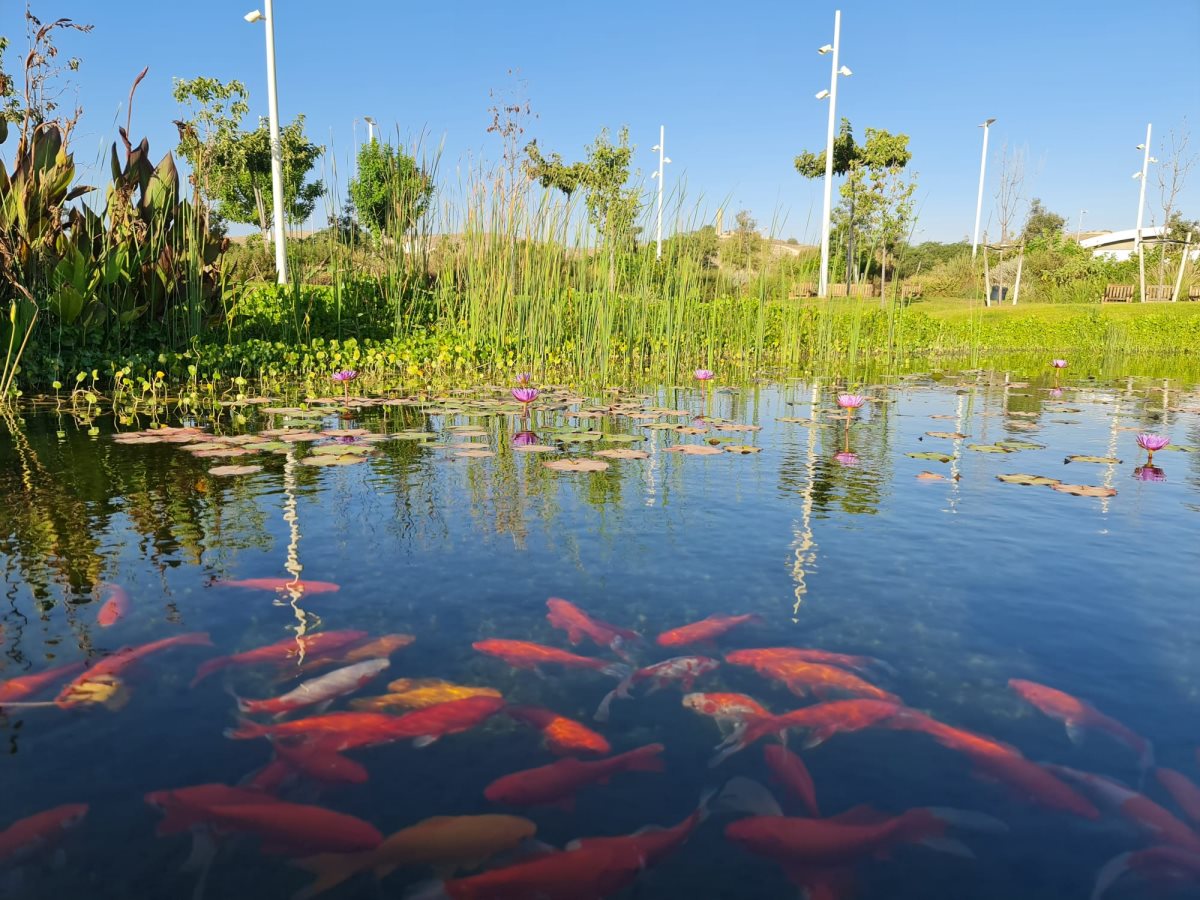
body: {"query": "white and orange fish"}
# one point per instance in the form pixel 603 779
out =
pixel 319 690
pixel 680 670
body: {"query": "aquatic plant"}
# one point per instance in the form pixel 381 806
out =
pixel 1152 443
pixel 1058 363
pixel 1149 473
pixel 847 458
pixel 850 401
pixel 704 375
pixel 524 378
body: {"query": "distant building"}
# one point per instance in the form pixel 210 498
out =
pixel 1119 244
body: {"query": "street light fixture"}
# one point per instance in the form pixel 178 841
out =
pixel 660 147
pixel 831 94
pixel 979 199
pixel 370 128
pixel 276 147
pixel 1079 227
pixel 1146 160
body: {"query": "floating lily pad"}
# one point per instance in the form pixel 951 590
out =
pixel 623 453
pixel 220 452
pixel 1010 444
pixel 988 448
pixel 734 426
pixel 341 449
pixel 471 445
pixel 811 423
pixel 234 470
pixel 327 460
pixel 534 448
pixel 410 436
pixel 1084 490
pixel 1182 448
pixel 694 449
pixel 576 465
pixel 266 446
pixel 953 435
pixel 1081 458
pixel 475 454
pixel 624 438
pixel 581 437
pixel 744 449
pixel 1022 478
pixel 931 455
pixel 931 476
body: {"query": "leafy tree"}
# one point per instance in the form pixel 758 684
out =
pixel 741 247
pixel 1042 223
pixel 390 191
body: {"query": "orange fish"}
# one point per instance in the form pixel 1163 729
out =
pixel 528 655
pixel 26 836
pixel 752 657
pixel 115 607
pixel 380 648
pixel 185 808
pixel 562 736
pixel 804 678
pixel 419 693
pixel 681 670
pixel 1079 717
pixel 1000 762
pixel 577 624
pixel 26 685
pixel 727 709
pixel 789 771
pixel 283 652
pixel 296 828
pixel 590 873
pixel 821 721
pixel 110 667
pixel 651 845
pixel 1156 862
pixel 705 631
pixel 1182 790
pixel 1158 823
pixel 557 783
pixel 280 584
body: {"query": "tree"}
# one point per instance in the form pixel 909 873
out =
pixel 390 191
pixel 741 247
pixel 1176 162
pixel 1042 223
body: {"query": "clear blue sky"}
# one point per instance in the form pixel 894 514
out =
pixel 1074 84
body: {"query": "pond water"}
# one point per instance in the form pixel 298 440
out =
pixel 825 532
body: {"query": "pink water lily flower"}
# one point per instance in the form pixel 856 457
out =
pixel 1058 363
pixel 704 374
pixel 847 458
pixel 524 378
pixel 344 375
pixel 1152 442
pixel 850 401
pixel 525 395
pixel 524 439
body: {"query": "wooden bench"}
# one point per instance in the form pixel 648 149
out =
pixel 863 291
pixel 1158 293
pixel 1118 293
pixel 838 290
pixel 1193 292
pixel 910 291
pixel 805 289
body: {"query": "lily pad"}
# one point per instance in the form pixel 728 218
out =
pixel 734 426
pixel 534 448
pixel 988 448
pixel 410 436
pixel 1022 478
pixel 1078 457
pixel 623 453
pixel 931 455
pixel 1182 448
pixel 1011 444
pixel 624 438
pixel 694 450
pixel 931 476
pixel 744 449
pixel 234 470
pixel 220 452
pixel 475 454
pixel 576 465
pixel 341 449
pixel 266 446
pixel 327 460
pixel 1084 490
pixel 952 435
pixel 471 445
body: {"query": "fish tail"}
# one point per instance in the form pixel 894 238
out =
pixel 967 819
pixel 331 870
pixel 1110 873
pixel 207 667
pixel 621 672
pixel 645 759
pixel 748 797
pixel 246 729
pixel 621 690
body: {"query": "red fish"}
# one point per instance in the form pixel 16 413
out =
pixel 185 808
pixel 26 685
pixel 1158 823
pixel 1000 762
pixel 115 607
pixel 850 837
pixel 590 873
pixel 1183 791
pixel 281 584
pixel 296 828
pixel 561 735
pixel 705 631
pixel 804 678
pixel 557 783
pixel 752 657
pixel 789 771
pixel 110 667
pixel 528 655
pixel 577 624
pixel 283 652
pixel 26 836
pixel 821 721
pixel 1079 717
pixel 1156 862
pixel 650 845
pixel 681 670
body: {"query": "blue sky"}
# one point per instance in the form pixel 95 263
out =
pixel 1073 84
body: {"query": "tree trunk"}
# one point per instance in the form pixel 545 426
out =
pixel 262 216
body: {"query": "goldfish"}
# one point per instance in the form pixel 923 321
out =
pixel 26 685
pixel 822 722
pixel 588 873
pixel 26 836
pixel 752 657
pixel 557 783
pixel 185 808
pixel 311 758
pixel 577 624
pixel 683 670
pixel 280 584
pixel 110 667
pixel 296 827
pixel 528 655
pixel 443 842
pixel 705 631
pixel 418 693
pixel 789 771
pixel 1157 822
pixel 804 678
pixel 727 709
pixel 1183 791
pixel 562 736
pixel 1000 762
pixel 652 844
pixel 282 652
pixel 379 648
pixel 1079 717
pixel 318 690
pixel 116 606
pixel 853 835
pixel 1171 862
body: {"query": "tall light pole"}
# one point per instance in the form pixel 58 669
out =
pixel 370 128
pixel 276 146
pixel 1146 160
pixel 823 288
pixel 1079 227
pixel 986 126
pixel 662 159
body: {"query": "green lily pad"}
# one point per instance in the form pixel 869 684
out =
pixel 989 448
pixel 341 449
pixel 1012 444
pixel 1022 478
pixel 1182 448
pixel 1078 457
pixel 950 435
pixel 410 436
pixel 624 438
pixel 267 446
pixel 930 455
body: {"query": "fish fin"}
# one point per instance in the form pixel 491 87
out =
pixel 863 814
pixel 331 870
pixel 1110 873
pixel 1075 731
pixel 427 890
pixel 744 795
pixel 204 848
pixel 947 845
pixel 537 670
pixel 575 636
pixel 323 706
pixel 207 667
pixel 646 759
pixel 727 749
pixel 246 729
pixel 619 671
pixel 968 819
pixel 605 708
pixel 424 740
pixel 817 736
pixel 704 807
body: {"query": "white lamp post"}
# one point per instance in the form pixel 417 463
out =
pixel 979 198
pixel 823 288
pixel 662 159
pixel 1146 160
pixel 276 147
pixel 1079 227
pixel 370 128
